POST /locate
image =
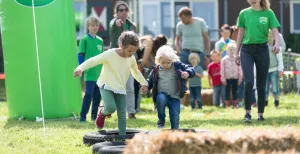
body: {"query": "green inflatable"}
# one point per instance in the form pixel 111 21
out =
pixel 58 91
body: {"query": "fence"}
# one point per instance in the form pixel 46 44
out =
pixel 291 78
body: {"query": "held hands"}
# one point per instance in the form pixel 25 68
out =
pixel 77 72
pixel 119 22
pixel 280 74
pixel 184 75
pixel 144 89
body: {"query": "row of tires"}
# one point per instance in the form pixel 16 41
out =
pixel 110 142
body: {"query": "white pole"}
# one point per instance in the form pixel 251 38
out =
pixel 38 65
pixel 172 7
pixel 141 14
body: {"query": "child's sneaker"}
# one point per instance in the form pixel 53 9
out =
pixel 181 107
pixel 160 124
pixel 260 118
pixel 276 103
pixel 247 118
pixel 100 120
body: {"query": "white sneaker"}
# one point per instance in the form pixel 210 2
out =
pixel 181 107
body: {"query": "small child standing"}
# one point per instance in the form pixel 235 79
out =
pixel 275 69
pixel 231 75
pixel 195 82
pixel 214 78
pixel 90 46
pixel 118 63
pixel 168 81
pixel 221 45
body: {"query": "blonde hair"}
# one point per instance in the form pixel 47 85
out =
pixel 214 51
pixel 194 55
pixel 92 20
pixel 265 4
pixel 230 46
pixel 166 51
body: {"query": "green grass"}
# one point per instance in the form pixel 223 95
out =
pixel 65 136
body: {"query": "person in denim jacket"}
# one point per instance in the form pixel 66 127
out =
pixel 168 81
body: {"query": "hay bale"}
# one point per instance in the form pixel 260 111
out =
pixel 247 141
pixel 206 97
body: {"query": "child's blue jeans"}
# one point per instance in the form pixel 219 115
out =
pixel 219 92
pixel 92 92
pixel 163 100
pixel 195 95
pixel 274 79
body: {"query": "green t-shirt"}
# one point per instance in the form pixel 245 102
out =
pixel 91 47
pixel 257 25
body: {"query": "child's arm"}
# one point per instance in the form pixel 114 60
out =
pixel 136 73
pixel 199 73
pixel 81 51
pixel 280 63
pixel 150 79
pixel 99 59
pixel 186 68
pixel 209 76
pixel 240 72
pixel 222 72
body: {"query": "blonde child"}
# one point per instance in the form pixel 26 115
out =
pixel 89 46
pixel 231 75
pixel 195 82
pixel 168 81
pixel 118 63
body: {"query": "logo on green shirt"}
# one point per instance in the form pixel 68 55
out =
pixel 37 3
pixel 100 48
pixel 263 20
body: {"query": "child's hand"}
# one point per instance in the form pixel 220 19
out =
pixel 184 75
pixel 144 89
pixel 239 83
pixel 77 72
pixel 224 83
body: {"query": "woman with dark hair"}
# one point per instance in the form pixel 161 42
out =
pixel 254 24
pixel 150 48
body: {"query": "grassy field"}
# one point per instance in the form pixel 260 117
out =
pixel 65 136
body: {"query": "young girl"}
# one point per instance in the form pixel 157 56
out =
pixel 195 82
pixel 231 75
pixel 167 80
pixel 117 65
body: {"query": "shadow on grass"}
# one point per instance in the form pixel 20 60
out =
pixel 269 121
pixel 75 124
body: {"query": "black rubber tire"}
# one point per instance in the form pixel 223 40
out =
pixel 112 149
pixel 116 132
pixel 183 130
pixel 95 137
pixel 100 145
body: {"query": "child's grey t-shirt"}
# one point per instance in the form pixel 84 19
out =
pixel 191 34
pixel 167 82
pixel 196 81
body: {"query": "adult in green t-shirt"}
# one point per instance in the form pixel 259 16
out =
pixel 254 24
pixel 117 25
pixel 89 46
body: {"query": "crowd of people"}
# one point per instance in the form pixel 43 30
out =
pixel 117 74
